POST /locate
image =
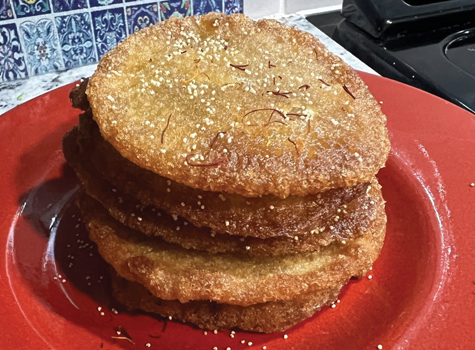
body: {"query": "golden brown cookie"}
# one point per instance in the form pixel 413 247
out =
pixel 266 317
pixel 174 229
pixel 352 221
pixel 171 272
pixel 226 104
pixel 336 214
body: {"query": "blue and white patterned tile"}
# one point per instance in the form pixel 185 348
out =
pixel 233 6
pixel 68 5
pixel 12 61
pixel 76 39
pixel 200 7
pixel 141 16
pixel 41 47
pixel 5 10
pixel 176 8
pixel 27 8
pixel 109 29
pixel 98 3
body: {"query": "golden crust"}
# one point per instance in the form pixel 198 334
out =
pixel 348 210
pixel 170 272
pixel 226 104
pixel 267 317
pixel 155 222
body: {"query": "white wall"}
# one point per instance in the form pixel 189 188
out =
pixel 260 8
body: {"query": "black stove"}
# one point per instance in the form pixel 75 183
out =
pixel 429 44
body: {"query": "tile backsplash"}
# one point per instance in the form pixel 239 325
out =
pixel 41 36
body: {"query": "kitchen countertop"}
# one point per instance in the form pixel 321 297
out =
pixel 17 92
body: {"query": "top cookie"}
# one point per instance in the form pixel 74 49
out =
pixel 226 104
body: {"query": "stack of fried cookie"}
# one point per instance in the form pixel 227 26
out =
pixel 228 171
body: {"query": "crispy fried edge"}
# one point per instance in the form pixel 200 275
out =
pixel 149 219
pixel 242 219
pixel 171 283
pixel 266 317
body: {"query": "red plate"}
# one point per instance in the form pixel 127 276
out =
pixel 54 288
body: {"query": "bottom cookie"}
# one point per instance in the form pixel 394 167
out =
pixel 266 317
